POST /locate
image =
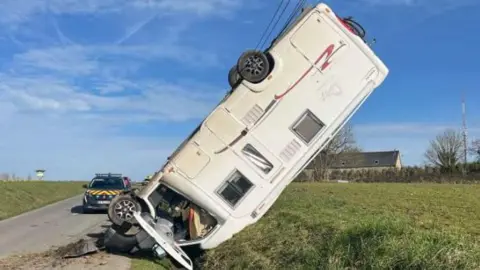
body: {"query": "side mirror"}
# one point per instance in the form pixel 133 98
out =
pixel 84 186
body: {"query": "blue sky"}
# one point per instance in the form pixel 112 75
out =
pixel 115 85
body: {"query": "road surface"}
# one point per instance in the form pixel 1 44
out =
pixel 54 225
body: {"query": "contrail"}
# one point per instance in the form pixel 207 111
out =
pixel 63 39
pixel 135 29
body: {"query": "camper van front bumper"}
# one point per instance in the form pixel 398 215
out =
pixel 154 235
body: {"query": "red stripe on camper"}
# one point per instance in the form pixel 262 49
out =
pixel 327 52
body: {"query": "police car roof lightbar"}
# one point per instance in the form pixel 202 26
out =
pixel 108 174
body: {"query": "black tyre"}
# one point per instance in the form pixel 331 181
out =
pixel 117 242
pixel 85 210
pixel 124 228
pixel 253 66
pixel 121 210
pixel 233 76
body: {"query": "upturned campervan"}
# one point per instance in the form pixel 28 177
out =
pixel 285 104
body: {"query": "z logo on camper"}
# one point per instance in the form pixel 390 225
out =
pixel 325 56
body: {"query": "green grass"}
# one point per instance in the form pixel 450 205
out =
pixel 22 196
pixel 150 263
pixel 357 226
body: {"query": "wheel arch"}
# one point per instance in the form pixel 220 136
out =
pixel 271 61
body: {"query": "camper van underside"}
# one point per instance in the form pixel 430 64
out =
pixel 189 222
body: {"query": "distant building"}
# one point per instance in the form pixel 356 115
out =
pixel 368 160
pixel 380 160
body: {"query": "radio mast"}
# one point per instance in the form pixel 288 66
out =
pixel 464 123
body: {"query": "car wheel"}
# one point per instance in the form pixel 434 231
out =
pixel 121 209
pixel 233 76
pixel 253 66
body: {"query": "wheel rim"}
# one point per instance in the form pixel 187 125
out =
pixel 124 209
pixel 254 65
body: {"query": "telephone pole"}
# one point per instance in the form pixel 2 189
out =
pixel 464 123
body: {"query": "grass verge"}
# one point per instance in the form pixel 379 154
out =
pixel 358 226
pixel 20 197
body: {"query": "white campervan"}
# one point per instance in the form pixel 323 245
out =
pixel 285 105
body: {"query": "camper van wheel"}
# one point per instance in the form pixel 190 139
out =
pixel 233 76
pixel 253 66
pixel 121 209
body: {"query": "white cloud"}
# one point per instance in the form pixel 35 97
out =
pixel 420 128
pixel 421 3
pixel 74 134
pixel 83 60
pixel 76 148
pixel 64 99
pixel 66 102
pixel 156 99
pixel 114 85
pixel 72 59
pixel 199 7
pixel 393 2
pixel 405 128
pixel 14 12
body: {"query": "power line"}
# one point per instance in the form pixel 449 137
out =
pixel 300 4
pixel 278 19
pixel 270 23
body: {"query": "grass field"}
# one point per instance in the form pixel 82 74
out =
pixel 357 226
pixel 22 196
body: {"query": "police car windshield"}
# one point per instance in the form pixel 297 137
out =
pixel 107 183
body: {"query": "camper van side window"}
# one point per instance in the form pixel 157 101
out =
pixel 234 188
pixel 256 158
pixel 307 127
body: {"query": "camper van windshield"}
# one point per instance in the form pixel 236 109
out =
pixel 190 222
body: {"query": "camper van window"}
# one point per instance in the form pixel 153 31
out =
pixel 257 159
pixel 233 190
pixel 307 127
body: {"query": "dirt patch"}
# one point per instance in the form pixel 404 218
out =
pixel 56 259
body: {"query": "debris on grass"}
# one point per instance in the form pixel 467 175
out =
pixel 82 254
pixel 77 249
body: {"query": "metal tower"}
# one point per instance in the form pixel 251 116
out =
pixel 464 124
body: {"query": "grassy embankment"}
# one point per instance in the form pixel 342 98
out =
pixel 357 226
pixel 21 196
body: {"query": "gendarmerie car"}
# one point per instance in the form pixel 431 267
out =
pixel 102 189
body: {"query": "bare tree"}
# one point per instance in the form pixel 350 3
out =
pixel 344 141
pixel 446 150
pixel 475 149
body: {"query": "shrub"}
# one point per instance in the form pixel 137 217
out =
pixel 412 174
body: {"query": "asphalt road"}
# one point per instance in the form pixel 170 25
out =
pixel 54 225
